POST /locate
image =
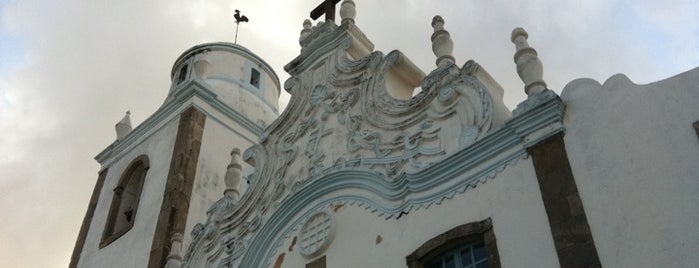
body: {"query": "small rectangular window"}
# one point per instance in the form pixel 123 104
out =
pixel 255 78
pixel 183 74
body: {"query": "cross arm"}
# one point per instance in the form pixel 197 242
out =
pixel 323 8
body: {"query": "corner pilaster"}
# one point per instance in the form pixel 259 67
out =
pixel 178 188
pixel 539 122
pixel 85 227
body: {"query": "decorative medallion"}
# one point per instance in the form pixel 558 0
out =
pixel 316 234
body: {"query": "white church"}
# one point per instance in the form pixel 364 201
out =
pixel 360 171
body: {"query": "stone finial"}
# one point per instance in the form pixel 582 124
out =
pixel 348 11
pixel 529 67
pixel 306 30
pixel 442 45
pixel 174 259
pixel 123 127
pixel 234 176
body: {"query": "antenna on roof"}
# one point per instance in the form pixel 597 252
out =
pixel 238 19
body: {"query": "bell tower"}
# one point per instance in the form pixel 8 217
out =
pixel 158 179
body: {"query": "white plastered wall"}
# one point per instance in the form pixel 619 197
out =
pixel 214 156
pixel 133 248
pixel 229 79
pixel 635 158
pixel 511 199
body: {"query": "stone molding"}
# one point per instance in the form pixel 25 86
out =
pixel 190 90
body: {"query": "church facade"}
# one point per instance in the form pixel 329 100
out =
pixel 359 171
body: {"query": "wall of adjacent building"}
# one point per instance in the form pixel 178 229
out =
pixel 635 157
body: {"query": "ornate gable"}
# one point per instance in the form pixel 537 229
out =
pixel 353 133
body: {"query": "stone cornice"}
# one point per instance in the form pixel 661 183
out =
pixel 180 101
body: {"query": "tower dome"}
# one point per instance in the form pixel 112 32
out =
pixel 239 78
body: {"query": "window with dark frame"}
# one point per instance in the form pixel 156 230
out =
pixel 469 255
pixel 182 74
pixel 122 212
pixel 255 78
pixel 318 263
pixel 470 245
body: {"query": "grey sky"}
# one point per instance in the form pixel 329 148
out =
pixel 71 68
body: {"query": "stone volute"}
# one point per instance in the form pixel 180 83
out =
pixel 233 176
pixel 123 127
pixel 529 67
pixel 442 45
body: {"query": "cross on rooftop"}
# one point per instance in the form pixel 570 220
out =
pixel 327 8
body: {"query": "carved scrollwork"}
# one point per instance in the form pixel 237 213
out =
pixel 342 118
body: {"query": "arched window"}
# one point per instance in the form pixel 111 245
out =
pixel 122 212
pixel 470 245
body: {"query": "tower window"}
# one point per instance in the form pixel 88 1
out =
pixel 122 212
pixel 255 78
pixel 183 74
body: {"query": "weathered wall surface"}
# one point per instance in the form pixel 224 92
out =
pixel 136 242
pixel 229 79
pixel 634 154
pixel 217 143
pixel 227 69
pixel 511 200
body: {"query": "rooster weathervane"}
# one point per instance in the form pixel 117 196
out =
pixel 238 20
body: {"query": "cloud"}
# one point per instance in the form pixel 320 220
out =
pixel 89 61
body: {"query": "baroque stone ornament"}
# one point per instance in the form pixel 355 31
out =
pixel 354 123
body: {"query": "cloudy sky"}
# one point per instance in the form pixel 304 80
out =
pixel 69 70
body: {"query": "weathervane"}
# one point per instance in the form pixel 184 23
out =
pixel 238 19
